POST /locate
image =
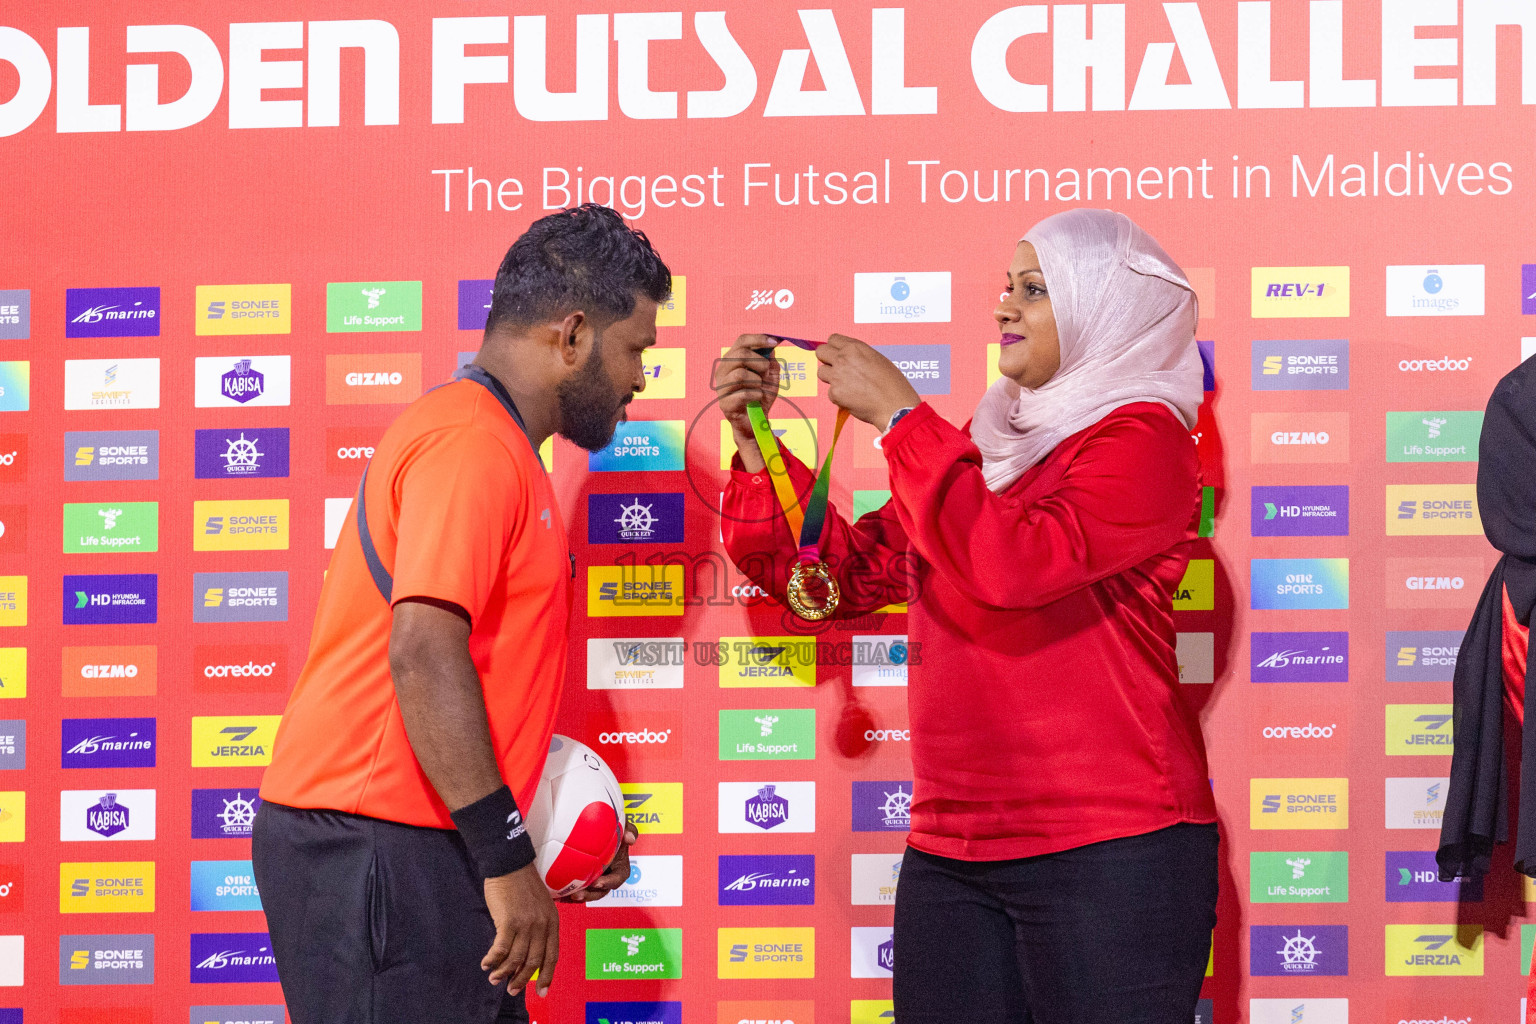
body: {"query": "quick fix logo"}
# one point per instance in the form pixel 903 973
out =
pixel 227 382
pixel 1300 365
pixel 244 454
pixel 1434 950
pixel 638 663
pixel 233 740
pixel 372 306
pixel 110 384
pixel 1433 436
pixel 1421 656
pixel 232 957
pixel 13 458
pixel 766 953
pixel 109 671
pixel 926 367
pixel 244 309
pixel 629 590
pixel 1299 657
pixel 224 885
pixel 108 743
pixel 1419 729
pixel 1298 951
pixel 475 304
pixel 632 1012
pixel 107 887
pixel 910 297
pixel 1318 511
pixel 15 314
pixel 1299 292
pixel 1442 289
pixel 1434 582
pixel 1413 876
pixel 111 455
pixel 377 379
pixel 632 518
pixel 1293 437
pixel 250 525
pixel 240 668
pixel 1298 876
pixel 1298 583
pixel 112 313
pixel 873 952
pixel 763 880
pixel 875 877
pixel 758 807
pixel 240 597
pixel 634 953
pixel 641 446
pixel 1298 803
pixel 106 959
pixel 347 449
pixel 654 881
pixel 1416 802
pixel 776 661
pixel 111 527
pixel 224 813
pixel 882 806
pixel 252 1014
pixel 118 815
pixel 655 808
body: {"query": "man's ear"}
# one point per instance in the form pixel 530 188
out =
pixel 574 333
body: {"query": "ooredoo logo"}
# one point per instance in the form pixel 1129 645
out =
pixel 1299 732
pixel 240 668
pixel 392 378
pixel 348 448
pixel 1445 364
pixel 13 458
pixel 652 736
pixel 109 671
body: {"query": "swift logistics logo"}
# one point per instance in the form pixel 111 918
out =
pixel 1291 951
pixel 93 815
pixel 875 878
pixel 913 297
pixel 1293 437
pixel 1419 729
pixel 926 367
pixel 635 663
pixel 1421 656
pixel 106 959
pixel 1416 803
pixel 768 734
pixel 654 881
pixel 1299 292
pixel 109 671
pixel 761 880
pixel 112 312
pixel 872 952
pixel 1298 1011
pixel 1443 289
pixel 1417 510
pixel 246 525
pixel 232 957
pixel 1433 436
pixel 223 382
pixel 1312 511
pixel 633 1012
pixel 776 661
pixel 629 590
pixel 757 807
pixel 240 597
pixel 224 885
pixel 1311 876
pixel 244 309
pixel 766 953
pixel 247 453
pixel 1298 803
pixel 633 953
pixel 224 813
pixel 1300 365
pixel 372 306
pixel 390 378
pixel 108 384
pixel 632 518
pixel 107 887
pixel 108 743
pixel 1437 950
pixel 641 446
pixel 882 806
pixel 1413 876
pixel 1298 583
pixel 15 314
pixel 1299 657
pixel 98 528
pixel 233 740
pixel 111 455
pixel 655 808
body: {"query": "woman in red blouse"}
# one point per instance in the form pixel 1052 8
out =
pixel 1062 861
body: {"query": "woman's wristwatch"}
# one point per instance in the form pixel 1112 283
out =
pixel 895 419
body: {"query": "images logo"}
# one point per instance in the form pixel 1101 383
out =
pixel 1434 950
pixel 1315 876
pixel 875 877
pixel 1291 951
pixel 92 815
pixel 655 808
pixel 881 659
pixel 1416 803
pixel 654 881
pixel 233 740
pixel 908 298
pixel 1299 657
pixel 641 446
pixel 241 454
pixel 225 381
pixel 106 959
pixel 15 314
pixel 630 518
pixel 1298 583
pixel 1318 511
pixel 108 743
pixel 640 663
pixel 1299 292
pixel 773 734
pixel 111 454
pixel 926 366
pixel 766 953
pixel 240 597
pixel 882 806
pixel 224 885
pixel 232 957
pixel 1413 876
pixel 384 379
pixel 224 813
pixel 1433 436
pixel 112 313
pixel 1300 365
pixel 115 887
pixel 1433 582
pixel 776 661
pixel 873 953
pixel 121 526
pixel 634 953
pixel 1419 729
pixel 1440 290
pixel 1298 803
pixel 1287 437
pixel 614 590
pixel 108 671
pixel 373 306
pixel 250 525
pixel 107 384
pixel 632 1013
pixel 1422 656
pixel 244 309
pixel 475 304
pixel 757 807
pixel 760 880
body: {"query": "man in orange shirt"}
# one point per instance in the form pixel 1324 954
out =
pixel 389 848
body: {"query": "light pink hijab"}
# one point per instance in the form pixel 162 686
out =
pixel 1125 316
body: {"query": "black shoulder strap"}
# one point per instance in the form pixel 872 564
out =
pixel 381 576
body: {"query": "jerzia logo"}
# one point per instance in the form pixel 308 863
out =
pixel 1434 949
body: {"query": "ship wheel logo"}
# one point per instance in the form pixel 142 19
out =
pixel 1299 953
pixel 898 808
pixel 241 455
pixel 635 520
pixel 238 814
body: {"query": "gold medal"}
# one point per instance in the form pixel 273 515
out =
pixel 800 602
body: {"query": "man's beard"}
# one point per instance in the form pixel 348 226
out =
pixel 588 410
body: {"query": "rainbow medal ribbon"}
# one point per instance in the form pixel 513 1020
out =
pixel 806 525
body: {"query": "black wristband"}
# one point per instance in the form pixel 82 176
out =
pixel 492 827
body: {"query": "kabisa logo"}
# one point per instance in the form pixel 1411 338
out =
pixel 767 810
pixel 107 887
pixel 108 817
pixel 232 957
pixel 1422 656
pixel 475 306
pixel 233 740
pixel 633 1013
pixel 757 807
pixel 1292 951
pixel 654 807
pixel 1299 657
pixel 1298 803
pixel 373 306
pixel 106 959
pixel 1298 583
pixel 244 309
pixel 873 952
pixel 1419 729
pixel 224 885
pixel 614 590
pixel 242 384
pixel 630 518
pixel 634 953
pixel 15 314
pixel 116 815
pixel 925 366
pixel 109 671
pixel 1316 876
pixel 1320 511
pixel 766 953
pixel 1300 365
pixel 111 455
pixel 882 806
pixel 641 445
pixel 112 313
pixel 108 743
pixel 250 525
pixel 241 454
pixel 230 382
pixel 760 880
pixel 240 668
pixel 1440 290
pixel 240 597
pixel 1434 950
pixel 107 384
pixel 1416 803
pixel 1413 876
pixel 1299 292
pixel 223 813
pixel 1433 436
pixel 911 297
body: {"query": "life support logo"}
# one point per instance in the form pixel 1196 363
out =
pixel 1299 292
pixel 766 952
pixel 634 953
pixel 252 525
pixel 1313 876
pixel 109 671
pixel 244 309
pixel 380 379
pixel 233 740
pixel 1433 436
pixel 768 734
pixel 1298 803
pixel 372 306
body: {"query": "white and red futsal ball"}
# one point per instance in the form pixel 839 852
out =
pixel 577 817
